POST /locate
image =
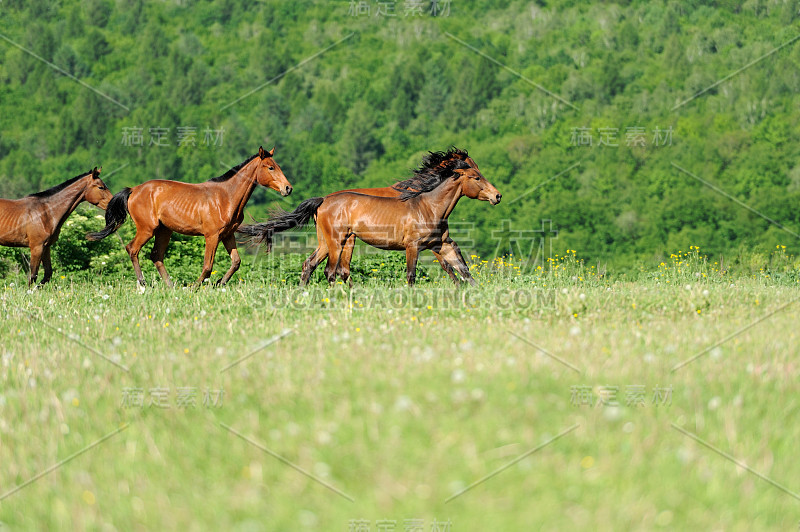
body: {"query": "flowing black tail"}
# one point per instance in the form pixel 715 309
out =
pixel 279 222
pixel 116 212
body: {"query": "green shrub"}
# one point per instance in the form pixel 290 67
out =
pixel 72 252
pixel 12 261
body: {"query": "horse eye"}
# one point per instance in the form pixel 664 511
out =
pixel 272 168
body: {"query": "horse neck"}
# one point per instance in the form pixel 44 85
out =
pixel 443 199
pixel 241 186
pixel 62 203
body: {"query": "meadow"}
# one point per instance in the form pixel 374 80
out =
pixel 610 401
pixel 638 383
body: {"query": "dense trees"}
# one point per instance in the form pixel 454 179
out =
pixel 364 111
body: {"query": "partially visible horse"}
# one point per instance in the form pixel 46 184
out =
pixel 213 209
pixel 414 221
pixel 35 221
pixel 437 159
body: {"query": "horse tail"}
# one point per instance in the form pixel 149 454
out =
pixel 116 212
pixel 261 233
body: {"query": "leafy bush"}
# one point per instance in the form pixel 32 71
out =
pixel 12 261
pixel 72 252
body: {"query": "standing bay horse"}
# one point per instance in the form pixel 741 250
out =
pixel 438 159
pixel 35 221
pixel 414 221
pixel 213 209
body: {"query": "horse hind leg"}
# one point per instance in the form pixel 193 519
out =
pixel 343 270
pixel 319 254
pixel 334 257
pixel 330 268
pixel 312 262
pixel 133 249
pixel 162 235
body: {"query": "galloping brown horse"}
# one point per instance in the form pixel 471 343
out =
pixel 414 221
pixel 35 221
pixel 438 159
pixel 213 209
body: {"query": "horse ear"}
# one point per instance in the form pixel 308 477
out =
pixel 271 152
pixel 261 152
pixel 96 171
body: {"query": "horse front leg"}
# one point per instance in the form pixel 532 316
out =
pixel 36 259
pixel 448 269
pixel 452 254
pixel 48 266
pixel 212 241
pixel 230 246
pixel 412 255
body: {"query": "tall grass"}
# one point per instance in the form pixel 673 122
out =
pixel 400 398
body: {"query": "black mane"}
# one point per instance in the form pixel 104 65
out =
pixel 436 158
pixel 435 169
pixel 233 171
pixel 58 188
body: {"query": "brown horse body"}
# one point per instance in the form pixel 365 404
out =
pixel 414 221
pixel 35 221
pixel 213 209
pixel 433 159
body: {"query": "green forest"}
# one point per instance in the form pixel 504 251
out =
pixel 579 113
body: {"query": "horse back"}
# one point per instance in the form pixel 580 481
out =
pixel 383 192
pixel 178 206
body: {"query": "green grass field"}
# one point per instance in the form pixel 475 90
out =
pixel 382 404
